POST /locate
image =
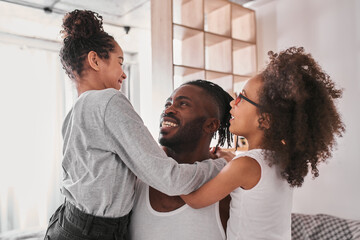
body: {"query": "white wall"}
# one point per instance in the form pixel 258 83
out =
pixel 330 30
pixel 138 42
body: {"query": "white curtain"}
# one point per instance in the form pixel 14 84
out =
pixel 35 95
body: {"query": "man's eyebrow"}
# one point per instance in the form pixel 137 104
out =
pixel 122 58
pixel 183 97
pixel 170 99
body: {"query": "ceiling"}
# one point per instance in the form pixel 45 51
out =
pixel 133 13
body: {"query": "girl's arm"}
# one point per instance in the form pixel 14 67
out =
pixel 130 140
pixel 244 172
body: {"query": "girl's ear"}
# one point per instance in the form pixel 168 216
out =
pixel 93 60
pixel 211 125
pixel 264 121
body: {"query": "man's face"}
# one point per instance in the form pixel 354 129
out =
pixel 183 117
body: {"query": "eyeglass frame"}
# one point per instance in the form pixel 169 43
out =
pixel 241 96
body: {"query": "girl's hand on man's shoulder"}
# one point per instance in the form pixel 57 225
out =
pixel 222 153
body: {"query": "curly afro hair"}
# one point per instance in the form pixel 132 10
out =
pixel 298 99
pixel 83 32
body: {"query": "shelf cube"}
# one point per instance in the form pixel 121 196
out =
pixel 243 24
pixel 217 53
pixel 188 13
pixel 217 17
pixel 222 79
pixel 188 47
pixel 186 74
pixel 244 58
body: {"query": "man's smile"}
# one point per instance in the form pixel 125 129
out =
pixel 168 123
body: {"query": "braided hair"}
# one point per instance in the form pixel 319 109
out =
pixel 222 100
pixel 83 32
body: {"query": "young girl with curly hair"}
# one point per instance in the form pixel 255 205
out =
pixel 106 145
pixel 288 116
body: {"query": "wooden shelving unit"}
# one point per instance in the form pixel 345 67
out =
pixel 203 39
pixel 215 40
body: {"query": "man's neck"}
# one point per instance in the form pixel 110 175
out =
pixel 184 156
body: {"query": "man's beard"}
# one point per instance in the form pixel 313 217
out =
pixel 189 134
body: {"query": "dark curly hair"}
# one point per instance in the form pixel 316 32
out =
pixel 222 100
pixel 83 32
pixel 298 99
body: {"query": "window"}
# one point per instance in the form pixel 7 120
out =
pixel 34 98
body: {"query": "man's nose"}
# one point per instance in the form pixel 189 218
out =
pixel 170 109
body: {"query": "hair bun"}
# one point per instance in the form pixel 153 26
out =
pixel 82 24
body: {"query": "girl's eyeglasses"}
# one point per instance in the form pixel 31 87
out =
pixel 241 96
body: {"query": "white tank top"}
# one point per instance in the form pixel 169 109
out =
pixel 263 212
pixel 184 223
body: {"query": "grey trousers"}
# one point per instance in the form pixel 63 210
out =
pixel 70 223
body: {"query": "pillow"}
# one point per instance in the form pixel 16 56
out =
pixel 322 226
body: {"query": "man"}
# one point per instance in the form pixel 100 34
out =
pixel 192 115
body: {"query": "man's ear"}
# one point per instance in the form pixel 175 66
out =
pixel 93 60
pixel 211 125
